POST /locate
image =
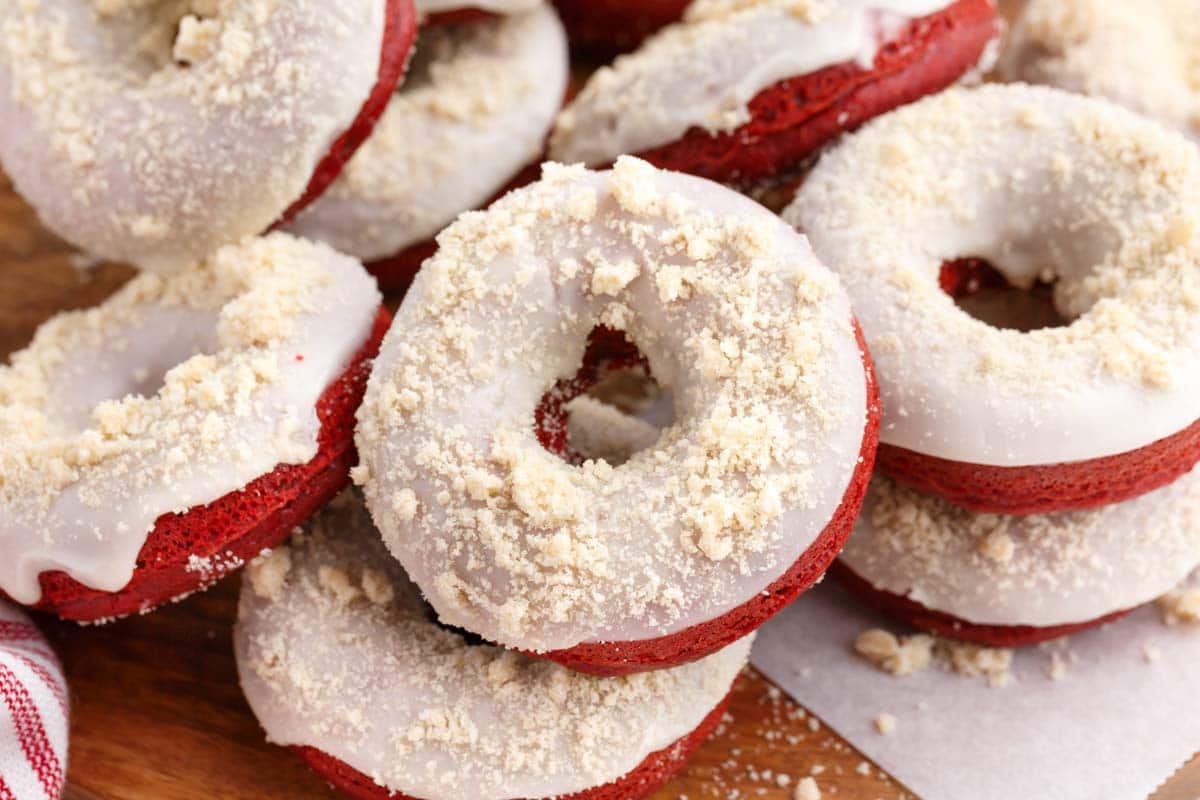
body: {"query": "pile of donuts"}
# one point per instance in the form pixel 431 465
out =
pixel 624 412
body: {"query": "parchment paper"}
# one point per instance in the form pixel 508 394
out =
pixel 1123 718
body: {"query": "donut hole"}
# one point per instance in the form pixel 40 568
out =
pixel 610 410
pixel 982 291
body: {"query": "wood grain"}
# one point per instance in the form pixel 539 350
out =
pixel 157 712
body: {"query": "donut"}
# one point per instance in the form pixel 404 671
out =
pixel 744 93
pixel 1010 581
pixel 475 110
pixel 1090 201
pixel 603 28
pixel 154 133
pixel 157 441
pixel 342 661
pixel 740 505
pixel 1140 55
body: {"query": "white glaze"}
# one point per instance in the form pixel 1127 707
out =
pixel 458 130
pixel 1064 568
pixel 74 402
pixel 503 311
pixel 704 73
pixel 138 158
pixel 366 677
pixel 1040 183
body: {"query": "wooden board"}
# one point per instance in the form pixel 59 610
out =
pixel 157 712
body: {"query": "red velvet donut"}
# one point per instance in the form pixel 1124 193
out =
pixel 188 552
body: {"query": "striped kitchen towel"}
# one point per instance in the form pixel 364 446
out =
pixel 33 712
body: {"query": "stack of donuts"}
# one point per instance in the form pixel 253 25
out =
pixel 532 591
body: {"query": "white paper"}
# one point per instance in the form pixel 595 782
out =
pixel 1115 727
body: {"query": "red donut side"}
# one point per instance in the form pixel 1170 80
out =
pixel 647 777
pixel 793 119
pixel 951 627
pixel 690 644
pixel 399 35
pixel 1047 488
pixel 238 526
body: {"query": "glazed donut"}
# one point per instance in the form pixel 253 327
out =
pixel 476 109
pixel 1140 55
pixel 745 92
pixel 1045 187
pixel 341 660
pixel 603 28
pixel 154 132
pixel 229 389
pixel 740 505
pixel 1017 580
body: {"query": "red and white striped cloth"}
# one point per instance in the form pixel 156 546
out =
pixel 33 712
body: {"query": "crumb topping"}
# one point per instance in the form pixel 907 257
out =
pixel 474 110
pixel 1045 186
pixel 754 339
pixel 909 655
pixel 170 394
pixel 1060 568
pixel 331 659
pixel 1141 55
pixel 153 131
pixel 704 71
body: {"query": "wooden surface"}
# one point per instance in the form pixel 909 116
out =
pixel 157 712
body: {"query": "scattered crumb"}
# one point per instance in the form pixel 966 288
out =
pixel 905 656
pixel 885 723
pixel 1058 667
pixel 912 654
pixel 807 789
pixel 1151 653
pixel 1181 607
